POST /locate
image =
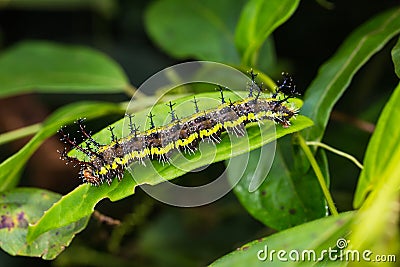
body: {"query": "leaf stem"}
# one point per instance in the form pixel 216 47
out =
pixel 19 133
pixel 318 173
pixel 336 151
pixel 105 219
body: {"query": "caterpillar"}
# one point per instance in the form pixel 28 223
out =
pixel 184 134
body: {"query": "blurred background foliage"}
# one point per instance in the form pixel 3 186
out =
pixel 155 234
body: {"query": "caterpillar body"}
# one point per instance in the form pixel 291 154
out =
pixel 159 143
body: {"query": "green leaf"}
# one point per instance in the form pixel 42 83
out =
pixel 380 178
pixel 53 68
pixel 285 198
pixel 24 206
pixel 11 167
pixel 383 153
pixel 72 208
pixel 195 29
pixel 335 75
pixel 258 20
pixel 317 235
pixel 396 57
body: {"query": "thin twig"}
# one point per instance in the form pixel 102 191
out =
pixel 356 122
pixel 336 151
pixel 105 219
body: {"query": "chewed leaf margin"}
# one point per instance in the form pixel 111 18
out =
pixel 24 206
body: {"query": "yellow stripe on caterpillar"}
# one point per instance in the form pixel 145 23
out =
pixel 208 132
